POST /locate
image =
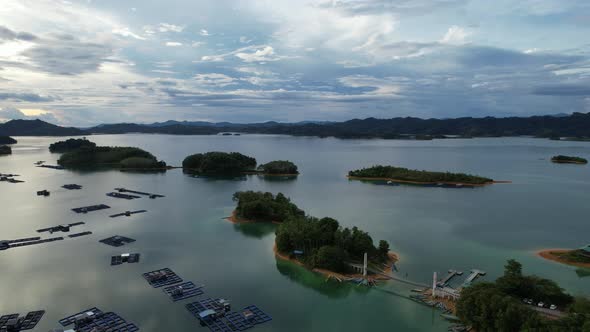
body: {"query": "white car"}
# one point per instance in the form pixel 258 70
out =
pixel 541 305
pixel 553 307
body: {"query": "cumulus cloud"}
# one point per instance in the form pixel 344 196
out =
pixel 204 33
pixel 173 44
pixel 11 113
pixel 7 34
pixel 213 80
pixel 455 35
pixel 267 53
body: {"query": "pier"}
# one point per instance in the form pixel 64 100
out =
pixel 474 275
pixel 447 279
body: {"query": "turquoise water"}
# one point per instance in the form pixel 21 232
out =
pixel 433 229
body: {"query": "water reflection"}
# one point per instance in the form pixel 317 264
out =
pixel 583 273
pixel 275 178
pixel 256 230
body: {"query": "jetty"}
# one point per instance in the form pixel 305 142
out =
pixel 120 195
pixel 150 195
pixel 127 213
pixel 16 322
pixel 59 228
pixel 95 319
pixel 86 209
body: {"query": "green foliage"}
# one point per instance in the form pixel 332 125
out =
pixel 320 236
pixel 265 207
pixel 142 163
pixel 404 174
pixel 568 159
pixel 5 150
pixel 279 167
pixel 7 140
pixel 577 256
pixel 219 163
pixel 109 156
pixel 71 145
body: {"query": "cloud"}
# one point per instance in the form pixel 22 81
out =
pixel 213 80
pixel 416 7
pixel 30 97
pixel 379 86
pixel 11 113
pixel 125 32
pixel 173 44
pixel 162 28
pixel 563 90
pixel 7 34
pixel 455 35
pixel 204 33
pixel 267 53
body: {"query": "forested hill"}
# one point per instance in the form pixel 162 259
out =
pixel 576 125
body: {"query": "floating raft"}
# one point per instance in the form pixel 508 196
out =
pixel 79 234
pixel 14 322
pixel 215 324
pixel 162 277
pixel 117 241
pixel 91 208
pixel 124 258
pixel 123 190
pixel 7 244
pixel 10 180
pixel 247 318
pixel 124 196
pixel 127 213
pixel 59 228
pixel 183 291
pixel 52 166
pixel 72 186
pixel 8 175
pixel 43 193
pixel 96 320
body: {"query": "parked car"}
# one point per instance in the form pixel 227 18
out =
pixel 529 301
pixel 553 307
pixel 540 304
pixel 525 301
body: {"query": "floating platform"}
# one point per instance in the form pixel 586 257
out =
pixel 7 244
pixel 10 180
pixel 95 320
pixel 123 196
pixel 150 195
pixel 183 291
pixel 162 277
pixel 72 186
pixel 86 209
pixel 117 241
pixel 247 318
pixel 52 166
pixel 79 234
pixel 124 258
pixel 59 228
pixel 210 313
pixel 127 213
pixel 9 175
pixel 14 322
pixel 43 193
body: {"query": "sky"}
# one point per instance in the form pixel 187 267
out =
pixel 87 62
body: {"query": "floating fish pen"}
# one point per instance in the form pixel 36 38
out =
pixel 127 213
pixel 7 244
pixel 9 179
pixel 162 277
pixel 79 234
pixel 183 291
pixel 8 175
pixel 123 196
pixel 123 190
pixel 124 258
pixel 52 167
pixel 43 193
pixel 59 228
pixel 95 320
pixel 117 241
pixel 247 318
pixel 72 186
pixel 15 323
pixel 216 315
pixel 86 209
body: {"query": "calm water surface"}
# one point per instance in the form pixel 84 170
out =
pixel 432 229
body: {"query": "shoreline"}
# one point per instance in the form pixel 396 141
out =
pixel 569 162
pixel 234 219
pixel 547 254
pixel 393 258
pixel 425 183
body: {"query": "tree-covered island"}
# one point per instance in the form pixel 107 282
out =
pixel 7 140
pixel 575 257
pixel 278 167
pixel 71 144
pixel 513 303
pixel 5 150
pixel 313 242
pixel 560 159
pixel 219 163
pixel 115 157
pixel 405 175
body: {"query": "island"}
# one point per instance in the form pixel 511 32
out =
pixel 518 302
pixel 575 257
pixel 71 144
pixel 218 163
pixel 409 176
pixel 126 158
pixel 560 159
pixel 321 245
pixel 7 140
pixel 278 168
pixel 263 206
pixel 5 150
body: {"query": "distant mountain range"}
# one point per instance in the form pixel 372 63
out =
pixel 561 125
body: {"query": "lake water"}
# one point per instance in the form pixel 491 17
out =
pixel 433 229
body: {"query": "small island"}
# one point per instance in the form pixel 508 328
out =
pixel 574 257
pixel 71 144
pixel 218 163
pixel 261 206
pixel 278 168
pixel 560 159
pixel 126 158
pixel 7 140
pixel 409 176
pixel 5 150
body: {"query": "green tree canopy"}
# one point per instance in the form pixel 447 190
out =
pixel 219 163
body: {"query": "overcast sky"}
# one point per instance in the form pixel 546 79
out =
pixel 87 62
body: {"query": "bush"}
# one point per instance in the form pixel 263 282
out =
pixel 219 163
pixel 278 167
pixel 71 145
pixel 109 156
pixel 265 207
